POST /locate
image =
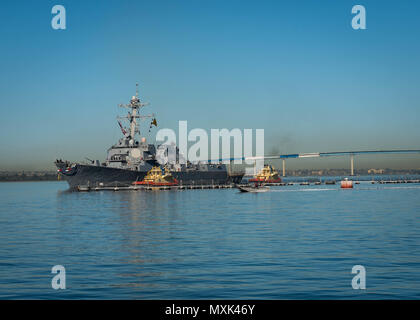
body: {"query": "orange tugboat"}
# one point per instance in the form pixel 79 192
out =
pixel 158 177
pixel 268 175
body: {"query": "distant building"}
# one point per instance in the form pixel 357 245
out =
pixel 376 171
pixel 317 173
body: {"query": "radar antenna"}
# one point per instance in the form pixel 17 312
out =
pixel 135 105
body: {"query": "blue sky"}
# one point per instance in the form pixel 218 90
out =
pixel 295 68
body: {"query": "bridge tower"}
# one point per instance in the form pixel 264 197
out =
pixel 284 167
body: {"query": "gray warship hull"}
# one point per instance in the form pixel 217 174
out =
pixel 100 176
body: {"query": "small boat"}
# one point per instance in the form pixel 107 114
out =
pixel 253 188
pixel 83 188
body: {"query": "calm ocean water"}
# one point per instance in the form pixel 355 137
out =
pixel 294 242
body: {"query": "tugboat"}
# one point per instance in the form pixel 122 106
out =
pixel 267 175
pixel 130 160
pixel 158 177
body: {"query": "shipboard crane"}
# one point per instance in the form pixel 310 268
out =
pixel 124 132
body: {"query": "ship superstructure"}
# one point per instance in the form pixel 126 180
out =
pixel 130 153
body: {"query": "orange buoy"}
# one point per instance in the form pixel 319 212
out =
pixel 158 177
pixel 346 184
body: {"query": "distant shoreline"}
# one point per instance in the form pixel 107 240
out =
pixel 16 177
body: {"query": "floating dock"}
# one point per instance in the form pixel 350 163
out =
pixel 226 186
pixel 151 187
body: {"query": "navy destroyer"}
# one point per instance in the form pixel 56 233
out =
pixel 129 161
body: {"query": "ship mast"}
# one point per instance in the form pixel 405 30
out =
pixel 135 105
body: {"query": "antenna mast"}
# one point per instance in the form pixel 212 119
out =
pixel 135 105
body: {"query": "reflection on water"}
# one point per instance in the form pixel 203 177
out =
pixel 291 242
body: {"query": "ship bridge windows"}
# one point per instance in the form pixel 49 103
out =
pixel 117 157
